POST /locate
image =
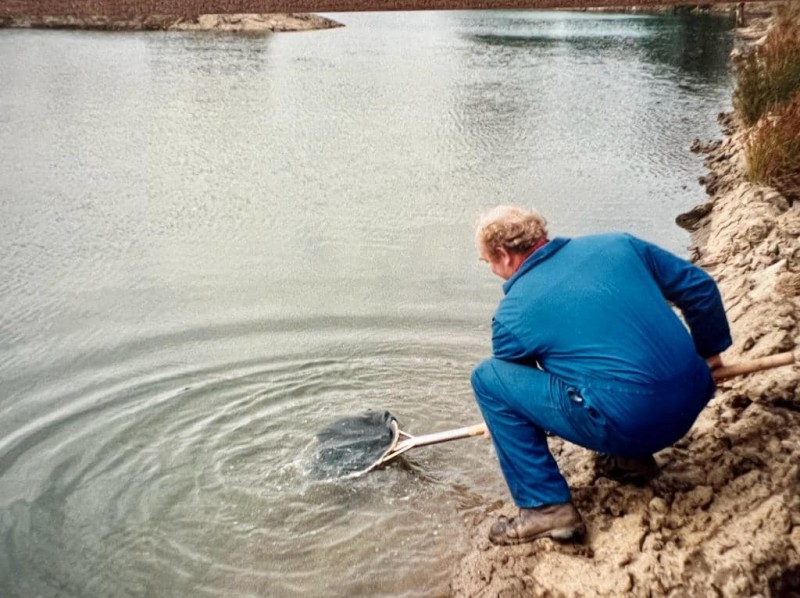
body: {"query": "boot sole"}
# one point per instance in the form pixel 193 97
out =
pixel 561 534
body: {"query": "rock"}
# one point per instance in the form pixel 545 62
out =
pixel 690 220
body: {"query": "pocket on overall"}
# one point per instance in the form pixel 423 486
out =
pixel 587 426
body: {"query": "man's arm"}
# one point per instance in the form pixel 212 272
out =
pixel 505 344
pixel 694 292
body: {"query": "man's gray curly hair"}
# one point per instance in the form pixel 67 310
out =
pixel 512 228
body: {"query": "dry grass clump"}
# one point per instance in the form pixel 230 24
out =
pixel 767 97
pixel 773 150
pixel 770 74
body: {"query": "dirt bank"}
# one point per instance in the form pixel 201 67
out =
pixel 723 517
pixel 231 22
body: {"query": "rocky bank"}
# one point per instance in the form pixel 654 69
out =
pixel 723 516
pixel 226 22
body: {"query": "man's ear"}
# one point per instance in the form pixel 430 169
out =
pixel 504 255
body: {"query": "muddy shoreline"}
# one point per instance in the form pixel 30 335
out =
pixel 226 22
pixel 723 517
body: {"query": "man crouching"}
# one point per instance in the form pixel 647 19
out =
pixel 585 346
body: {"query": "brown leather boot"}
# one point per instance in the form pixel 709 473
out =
pixel 629 470
pixel 560 522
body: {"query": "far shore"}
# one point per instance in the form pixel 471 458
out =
pixel 292 21
pixel 226 22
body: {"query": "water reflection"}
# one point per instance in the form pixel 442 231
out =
pixel 589 100
pixel 218 53
pixel 694 44
pixel 697 46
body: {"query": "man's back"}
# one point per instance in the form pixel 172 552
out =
pixel 594 308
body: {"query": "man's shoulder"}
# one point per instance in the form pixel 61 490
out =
pixel 603 239
pixel 601 243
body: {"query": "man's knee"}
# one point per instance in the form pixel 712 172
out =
pixel 484 378
pixel 481 371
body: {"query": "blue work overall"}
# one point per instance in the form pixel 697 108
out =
pixel 587 347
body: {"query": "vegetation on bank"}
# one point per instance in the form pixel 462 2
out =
pixel 767 97
pixel 773 150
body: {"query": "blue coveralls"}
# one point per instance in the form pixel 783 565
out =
pixel 585 346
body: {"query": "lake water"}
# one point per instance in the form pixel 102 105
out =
pixel 214 245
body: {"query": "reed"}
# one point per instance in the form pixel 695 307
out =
pixel 769 75
pixel 773 150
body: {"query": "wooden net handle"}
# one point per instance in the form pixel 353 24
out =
pixel 756 365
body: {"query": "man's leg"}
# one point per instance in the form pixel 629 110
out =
pixel 518 404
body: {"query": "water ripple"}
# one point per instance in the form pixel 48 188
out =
pixel 210 467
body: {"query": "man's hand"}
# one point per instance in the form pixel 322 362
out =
pixel 714 362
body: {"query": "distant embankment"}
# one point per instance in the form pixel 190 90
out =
pixel 171 15
pixel 129 9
